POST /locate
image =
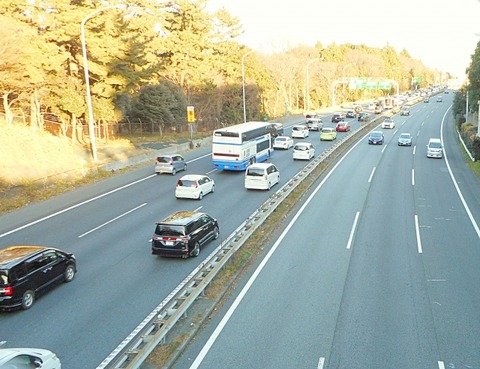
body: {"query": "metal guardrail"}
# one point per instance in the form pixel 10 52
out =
pixel 135 348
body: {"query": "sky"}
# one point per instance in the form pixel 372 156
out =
pixel 443 34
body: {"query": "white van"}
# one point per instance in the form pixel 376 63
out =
pixel 434 148
pixel 261 176
pixel 299 131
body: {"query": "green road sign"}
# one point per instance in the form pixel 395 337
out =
pixel 356 83
pixel 371 85
pixel 384 85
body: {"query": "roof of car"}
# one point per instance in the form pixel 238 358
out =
pixel 8 353
pixel 192 177
pixel 260 165
pixel 13 254
pixel 181 217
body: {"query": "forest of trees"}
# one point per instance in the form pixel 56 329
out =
pixel 148 62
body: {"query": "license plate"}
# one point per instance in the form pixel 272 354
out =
pixel 168 243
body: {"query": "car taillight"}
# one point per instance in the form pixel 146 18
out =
pixel 7 291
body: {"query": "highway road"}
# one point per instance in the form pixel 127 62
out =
pixel 377 269
pixel 108 227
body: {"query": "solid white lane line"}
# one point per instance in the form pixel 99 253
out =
pixel 371 174
pixel 112 220
pixel 417 233
pixel 352 231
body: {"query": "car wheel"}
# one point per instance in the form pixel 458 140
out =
pixel 196 250
pixel 69 273
pixel 213 189
pixel 174 171
pixel 269 185
pixel 216 233
pixel 200 195
pixel 28 299
pixel 185 168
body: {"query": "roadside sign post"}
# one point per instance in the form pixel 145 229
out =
pixel 191 119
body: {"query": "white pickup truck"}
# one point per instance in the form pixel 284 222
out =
pixel 314 122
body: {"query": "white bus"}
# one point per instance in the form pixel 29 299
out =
pixel 238 146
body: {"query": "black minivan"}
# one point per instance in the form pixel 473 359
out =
pixel 182 233
pixel 28 271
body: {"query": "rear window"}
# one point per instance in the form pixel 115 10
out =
pixel 186 183
pixel 169 230
pixel 256 172
pixel 300 148
pixel 163 159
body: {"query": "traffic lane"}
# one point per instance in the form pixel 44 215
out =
pixel 384 319
pixel 298 290
pixel 319 237
pixel 451 248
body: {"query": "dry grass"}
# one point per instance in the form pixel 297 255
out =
pixel 35 165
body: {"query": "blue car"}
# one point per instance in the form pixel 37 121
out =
pixel 375 138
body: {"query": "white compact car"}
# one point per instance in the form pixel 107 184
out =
pixel 299 131
pixel 283 142
pixel 435 148
pixel 303 151
pixel 388 123
pixel 261 176
pixel 28 358
pixel 194 186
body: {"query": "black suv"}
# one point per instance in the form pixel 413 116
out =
pixel 27 271
pixel 182 233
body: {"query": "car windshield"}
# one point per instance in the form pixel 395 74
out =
pixel 405 136
pixel 435 145
pixel 281 139
pixel 375 134
pixel 301 148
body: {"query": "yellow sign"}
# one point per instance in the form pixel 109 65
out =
pixel 190 114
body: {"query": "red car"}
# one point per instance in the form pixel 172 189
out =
pixel 342 127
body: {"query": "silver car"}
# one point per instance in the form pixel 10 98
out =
pixel 405 139
pixel 170 164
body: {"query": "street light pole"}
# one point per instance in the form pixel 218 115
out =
pixel 243 85
pixel 307 88
pixel 91 124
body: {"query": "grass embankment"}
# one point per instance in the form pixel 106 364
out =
pixel 35 165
